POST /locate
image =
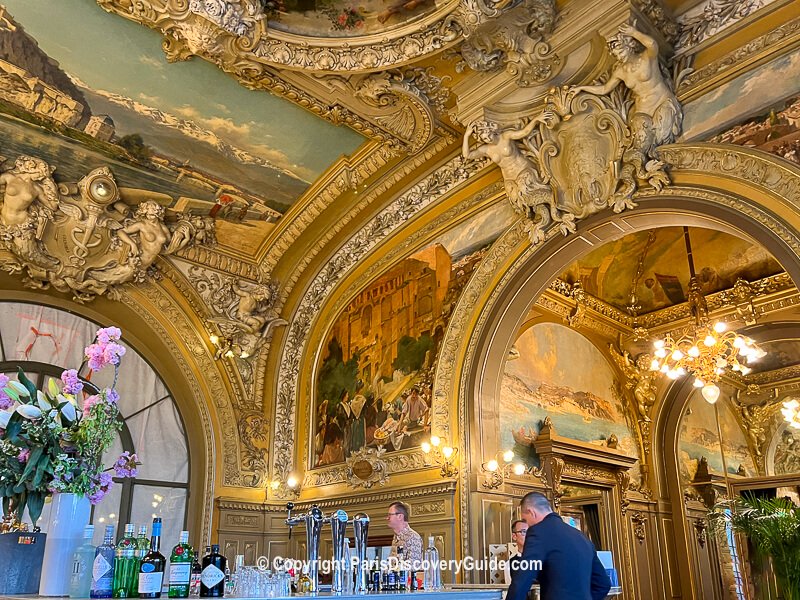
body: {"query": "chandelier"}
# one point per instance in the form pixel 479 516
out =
pixel 707 350
pixel 791 412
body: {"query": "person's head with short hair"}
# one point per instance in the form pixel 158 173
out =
pixel 518 530
pixel 397 516
pixel 534 507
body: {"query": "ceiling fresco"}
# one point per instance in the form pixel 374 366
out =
pixel 82 88
pixel 346 18
pixel 780 354
pixel 612 271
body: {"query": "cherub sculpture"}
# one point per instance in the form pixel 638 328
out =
pixel 639 378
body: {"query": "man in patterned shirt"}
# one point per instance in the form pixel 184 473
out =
pixel 404 536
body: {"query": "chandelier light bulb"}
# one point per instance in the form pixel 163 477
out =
pixel 492 466
pixel 673 374
pixel 508 456
pixel 664 369
pixel 677 355
pixel 658 344
pixel 710 340
pixel 710 393
pixel 660 353
pixel 719 326
pixel 698 383
pixel 738 342
pixel 291 482
pixel 694 352
pixel 447 451
pixel 435 441
pixel 654 365
pixel 519 469
pixel 214 339
pixel 426 447
pixel 745 370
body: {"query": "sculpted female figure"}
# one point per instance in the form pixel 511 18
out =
pixel 652 95
pixel 27 182
pixel 523 184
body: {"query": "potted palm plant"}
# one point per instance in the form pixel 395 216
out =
pixel 773 527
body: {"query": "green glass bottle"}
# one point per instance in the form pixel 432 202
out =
pixel 151 571
pixel 125 565
pixel 142 547
pixel 180 568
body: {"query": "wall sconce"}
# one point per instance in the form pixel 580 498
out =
pixel 495 471
pixel 285 489
pixel 444 455
pixel 226 348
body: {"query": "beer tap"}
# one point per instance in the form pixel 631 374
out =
pixel 360 529
pixel 313 520
pixel 338 521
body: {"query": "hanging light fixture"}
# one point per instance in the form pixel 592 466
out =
pixel 707 350
pixel 791 412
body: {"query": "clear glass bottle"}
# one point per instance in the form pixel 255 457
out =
pixel 80 583
pixel 103 567
pixel 125 565
pixel 180 568
pixel 212 580
pixel 433 571
pixel 151 571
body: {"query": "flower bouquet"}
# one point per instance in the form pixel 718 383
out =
pixel 50 442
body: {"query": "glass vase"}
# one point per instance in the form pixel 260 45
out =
pixel 69 514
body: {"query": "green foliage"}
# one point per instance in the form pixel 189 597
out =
pixel 336 376
pixel 135 146
pixel 411 353
pixel 773 527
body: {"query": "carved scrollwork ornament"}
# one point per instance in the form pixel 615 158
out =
pixel 700 527
pixel 365 468
pixel 592 147
pixel 83 238
pixel 639 519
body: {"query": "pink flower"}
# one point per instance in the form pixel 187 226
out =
pixel 342 19
pixel 72 384
pixel 105 351
pixel 5 400
pixel 126 465
pixel 104 484
pixel 88 403
pixel 107 334
pixel 23 455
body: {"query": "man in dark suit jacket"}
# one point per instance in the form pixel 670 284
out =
pixel 560 556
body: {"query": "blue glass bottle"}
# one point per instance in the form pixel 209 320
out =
pixel 103 566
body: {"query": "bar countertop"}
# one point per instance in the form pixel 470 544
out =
pixel 463 594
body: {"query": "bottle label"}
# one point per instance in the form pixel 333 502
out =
pixel 100 568
pixel 179 573
pixel 148 567
pixel 150 583
pixel 211 576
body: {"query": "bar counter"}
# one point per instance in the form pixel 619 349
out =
pixel 494 593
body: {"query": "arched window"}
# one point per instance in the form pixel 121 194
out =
pixel 44 341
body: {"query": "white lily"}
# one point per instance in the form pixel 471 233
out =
pixel 29 411
pixel 19 388
pixel 42 400
pixel 68 410
pixel 4 417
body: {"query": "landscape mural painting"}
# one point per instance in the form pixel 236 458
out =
pixel 80 88
pixel 698 438
pixel 786 458
pixel 373 383
pixel 558 373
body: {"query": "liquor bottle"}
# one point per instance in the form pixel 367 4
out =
pixel 180 568
pixel 197 572
pixel 402 574
pixel 80 584
pixel 433 572
pixel 125 565
pixel 142 548
pixel 304 583
pixel 212 580
pixel 103 566
pixel 151 571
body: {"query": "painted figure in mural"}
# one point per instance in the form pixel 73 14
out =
pixel 787 454
pixel 414 410
pixel 27 182
pixel 639 378
pixel 524 185
pixel 656 117
pixel 359 424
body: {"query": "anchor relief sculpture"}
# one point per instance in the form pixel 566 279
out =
pixel 592 147
pixel 84 238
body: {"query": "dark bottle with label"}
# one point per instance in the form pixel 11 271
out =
pixel 151 570
pixel 212 579
pixel 402 574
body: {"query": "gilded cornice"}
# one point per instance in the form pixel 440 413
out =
pixel 429 190
pixel 764 48
pixel 219 259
